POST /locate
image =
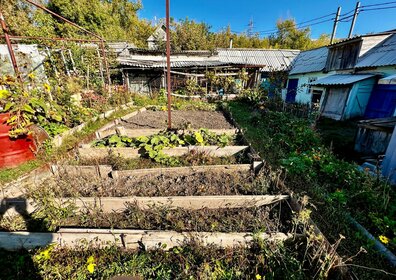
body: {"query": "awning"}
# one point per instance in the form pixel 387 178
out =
pixel 340 79
pixel 391 80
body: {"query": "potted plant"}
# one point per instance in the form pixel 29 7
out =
pixel 21 106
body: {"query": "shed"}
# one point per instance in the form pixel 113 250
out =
pixel 346 95
pixel 373 136
pixel 382 59
pixel 306 68
pixel 389 163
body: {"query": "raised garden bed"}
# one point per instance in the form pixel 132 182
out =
pixel 155 182
pixel 180 119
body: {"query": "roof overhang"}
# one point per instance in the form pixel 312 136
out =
pixel 391 80
pixel 340 79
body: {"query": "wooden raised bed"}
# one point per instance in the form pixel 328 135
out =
pixel 117 204
pixel 87 152
pixel 133 133
pixel 129 239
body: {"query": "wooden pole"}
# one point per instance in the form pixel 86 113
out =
pixel 168 64
pixel 354 19
pixel 335 25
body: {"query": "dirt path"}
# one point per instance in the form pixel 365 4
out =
pixel 195 119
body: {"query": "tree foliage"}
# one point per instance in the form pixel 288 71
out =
pixel 117 20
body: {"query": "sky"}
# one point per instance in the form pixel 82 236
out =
pixel 265 13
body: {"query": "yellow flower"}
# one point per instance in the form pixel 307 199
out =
pixel 91 267
pixel 31 76
pixel 47 87
pixel 91 259
pixel 384 239
pixel 258 277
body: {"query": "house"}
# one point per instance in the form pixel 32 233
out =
pixel 306 68
pixel 381 60
pixel 347 92
pixel 158 38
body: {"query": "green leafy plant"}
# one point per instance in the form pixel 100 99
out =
pixel 153 146
pixel 26 105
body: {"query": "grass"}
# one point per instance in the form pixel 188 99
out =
pixel 9 174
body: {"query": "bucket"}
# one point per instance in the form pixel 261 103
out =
pixel 14 152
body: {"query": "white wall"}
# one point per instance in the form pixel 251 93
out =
pixel 303 94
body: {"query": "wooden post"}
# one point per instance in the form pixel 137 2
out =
pixel 335 25
pixel 354 19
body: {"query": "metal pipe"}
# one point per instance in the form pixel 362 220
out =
pixel 168 63
pixel 10 49
pixel 335 25
pixel 106 65
pixel 19 38
pixel 354 19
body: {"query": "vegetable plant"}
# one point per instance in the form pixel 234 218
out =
pixel 152 146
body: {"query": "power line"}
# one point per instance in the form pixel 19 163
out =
pixel 379 4
pixel 375 9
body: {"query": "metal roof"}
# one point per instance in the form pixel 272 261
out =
pixel 310 61
pixel 390 80
pixel 267 59
pixel 174 64
pixel 384 54
pixel 340 79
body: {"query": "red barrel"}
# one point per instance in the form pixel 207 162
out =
pixel 14 151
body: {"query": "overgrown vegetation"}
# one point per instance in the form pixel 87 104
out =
pixel 261 260
pixel 193 158
pixel 210 182
pixel 335 186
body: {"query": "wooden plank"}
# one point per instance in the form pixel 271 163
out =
pixel 79 170
pixel 133 133
pixel 119 204
pixel 130 239
pixel 87 152
pixel 181 170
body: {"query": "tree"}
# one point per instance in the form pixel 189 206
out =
pixel 290 37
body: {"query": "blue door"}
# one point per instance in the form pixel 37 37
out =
pixel 291 90
pixel 382 102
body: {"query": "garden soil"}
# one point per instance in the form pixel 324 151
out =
pixel 180 119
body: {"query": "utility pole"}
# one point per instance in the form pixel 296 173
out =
pixel 250 29
pixel 336 19
pixel 168 63
pixel 357 8
pixel 9 46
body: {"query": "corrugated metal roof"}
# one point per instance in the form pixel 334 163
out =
pixel 310 61
pixel 267 59
pixel 174 64
pixel 384 54
pixel 340 79
pixel 390 80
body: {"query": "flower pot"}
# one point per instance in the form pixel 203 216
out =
pixel 13 152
